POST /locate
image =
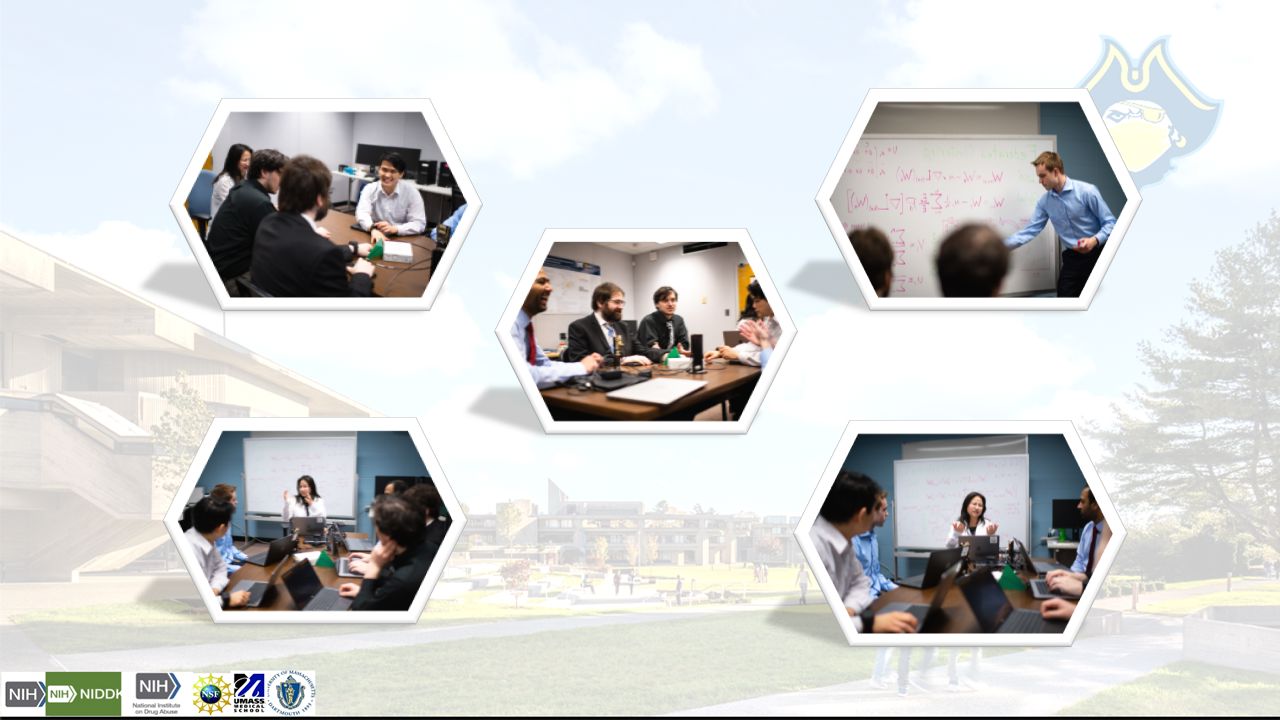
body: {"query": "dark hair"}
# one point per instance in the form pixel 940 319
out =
pixel 399 519
pixel 223 491
pixel 876 255
pixel 427 497
pixel 661 294
pixel 265 161
pixel 972 262
pixel 749 309
pixel 602 294
pixel 398 486
pixel 851 493
pixel 964 507
pixel 1092 500
pixel 305 178
pixel 231 166
pixel 311 483
pixel 394 158
pixel 210 513
pixel 753 288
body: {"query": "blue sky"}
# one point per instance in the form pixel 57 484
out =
pixel 609 115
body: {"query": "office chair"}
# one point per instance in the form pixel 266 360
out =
pixel 248 289
pixel 200 201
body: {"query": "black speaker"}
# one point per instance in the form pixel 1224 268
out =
pixel 695 352
pixel 427 172
pixel 444 176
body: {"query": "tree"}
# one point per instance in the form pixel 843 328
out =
pixel 1198 449
pixel 599 554
pixel 515 576
pixel 178 435
pixel 662 507
pixel 633 552
pixel 510 519
pixel 769 547
pixel 651 550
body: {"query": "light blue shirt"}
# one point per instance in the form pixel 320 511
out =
pixel 765 354
pixel 868 552
pixel 1086 547
pixel 546 372
pixel 230 554
pixel 1077 212
pixel 452 222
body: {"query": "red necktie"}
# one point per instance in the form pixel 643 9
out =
pixel 533 349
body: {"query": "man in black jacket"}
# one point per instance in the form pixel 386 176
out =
pixel 663 328
pixel 397 567
pixel 290 256
pixel 596 332
pixel 231 235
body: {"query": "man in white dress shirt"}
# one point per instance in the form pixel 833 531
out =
pixel 546 372
pixel 391 206
pixel 211 519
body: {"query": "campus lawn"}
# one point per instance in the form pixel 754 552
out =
pixel 1268 594
pixel 1187 688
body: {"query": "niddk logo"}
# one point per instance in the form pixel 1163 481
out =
pixel 291 692
pixel 212 694
pixel 1151 111
pixel 82 693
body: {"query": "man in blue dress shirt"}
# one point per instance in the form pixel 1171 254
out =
pixel 546 372
pixel 1080 217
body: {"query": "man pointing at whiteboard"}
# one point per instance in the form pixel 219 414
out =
pixel 1080 217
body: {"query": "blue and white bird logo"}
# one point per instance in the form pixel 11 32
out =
pixel 1152 112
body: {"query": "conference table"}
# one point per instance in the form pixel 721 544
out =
pixel 959 617
pixel 390 279
pixel 280 599
pixel 724 380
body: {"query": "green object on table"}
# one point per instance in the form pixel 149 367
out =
pixel 375 252
pixel 1062 534
pixel 1009 579
pixel 324 560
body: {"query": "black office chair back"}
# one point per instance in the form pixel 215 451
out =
pixel 248 289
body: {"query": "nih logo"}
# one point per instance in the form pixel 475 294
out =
pixel 156 686
pixel 24 694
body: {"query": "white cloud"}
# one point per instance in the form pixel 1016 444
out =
pixel 507 90
pixel 1223 49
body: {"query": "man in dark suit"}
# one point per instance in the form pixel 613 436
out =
pixel 599 331
pixel 292 256
pixel 396 568
pixel 231 235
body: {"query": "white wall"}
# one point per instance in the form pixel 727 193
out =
pixel 956 118
pixel 398 130
pixel 707 283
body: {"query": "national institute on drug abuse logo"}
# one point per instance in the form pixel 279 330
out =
pixel 1152 112
pixel 292 692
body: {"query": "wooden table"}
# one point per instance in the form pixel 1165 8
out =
pixel 390 279
pixel 959 617
pixel 280 599
pixel 723 381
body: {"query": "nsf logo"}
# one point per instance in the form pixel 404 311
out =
pixel 291 692
pixel 212 694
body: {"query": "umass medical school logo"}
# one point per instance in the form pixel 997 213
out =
pixel 1153 114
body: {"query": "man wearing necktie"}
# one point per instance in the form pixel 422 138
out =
pixel 546 372
pixel 604 333
pixel 663 328
pixel 1087 554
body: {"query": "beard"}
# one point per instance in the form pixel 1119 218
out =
pixel 322 211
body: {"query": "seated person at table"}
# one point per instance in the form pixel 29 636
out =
pixel 451 222
pixel 546 372
pixel 234 170
pixel 876 255
pixel 849 511
pixel 1065 582
pixel 391 206
pixel 211 519
pixel 230 240
pixel 394 571
pixel 307 503
pixel 972 262
pixel 748 353
pixel 972 519
pixel 425 496
pixel 231 555
pixel 663 328
pixel 596 333
pixel 292 257
pixel 1092 543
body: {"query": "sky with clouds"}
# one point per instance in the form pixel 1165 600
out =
pixel 664 114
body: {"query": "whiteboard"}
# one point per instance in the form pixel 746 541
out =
pixel 918 188
pixel 927 495
pixel 274 464
pixel 570 291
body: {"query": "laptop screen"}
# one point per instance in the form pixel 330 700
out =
pixel 987 600
pixel 302 583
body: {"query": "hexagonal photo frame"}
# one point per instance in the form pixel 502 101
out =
pixel 931 188
pixel 1030 476
pixel 353 140
pixel 656 383
pixel 295 469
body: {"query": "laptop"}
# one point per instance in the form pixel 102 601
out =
pixel 732 338
pixel 929 618
pixel 939 561
pixel 344 569
pixel 1039 587
pixel 996 614
pixel 350 543
pixel 310 528
pixel 983 550
pixel 259 591
pixel 276 552
pixel 309 593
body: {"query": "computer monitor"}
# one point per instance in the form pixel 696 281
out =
pixel 371 154
pixel 1066 514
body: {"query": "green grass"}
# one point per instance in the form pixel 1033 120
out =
pixel 1256 595
pixel 1187 688
pixel 1220 582
pixel 651 667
